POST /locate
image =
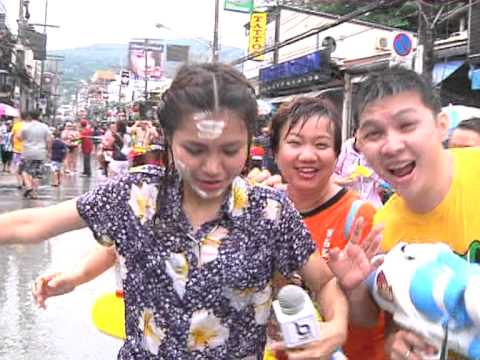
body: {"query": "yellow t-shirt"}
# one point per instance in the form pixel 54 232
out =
pixel 17 142
pixel 455 221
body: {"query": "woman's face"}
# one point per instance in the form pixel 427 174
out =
pixel 306 156
pixel 209 151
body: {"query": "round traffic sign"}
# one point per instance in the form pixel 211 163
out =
pixel 402 44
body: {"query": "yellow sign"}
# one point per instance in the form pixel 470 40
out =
pixel 258 34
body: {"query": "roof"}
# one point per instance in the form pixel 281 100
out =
pixel 104 75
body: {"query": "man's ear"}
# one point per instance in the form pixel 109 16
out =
pixel 443 123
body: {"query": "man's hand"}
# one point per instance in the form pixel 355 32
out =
pixel 406 345
pixel 353 264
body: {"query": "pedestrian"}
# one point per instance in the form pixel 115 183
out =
pixel 198 244
pixel 71 137
pixel 36 145
pixel 7 147
pixel 118 165
pixel 306 141
pixel 401 130
pixel 466 134
pixel 17 159
pixel 58 154
pixel 3 130
pixel 86 135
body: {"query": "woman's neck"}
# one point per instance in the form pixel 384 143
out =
pixel 305 201
pixel 199 210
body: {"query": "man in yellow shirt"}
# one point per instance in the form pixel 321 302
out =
pixel 17 161
pixel 400 132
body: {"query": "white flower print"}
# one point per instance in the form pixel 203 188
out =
pixel 152 334
pixel 143 201
pixel 239 299
pixel 206 330
pixel 239 197
pixel 262 302
pixel 272 210
pixel 177 268
pixel 210 243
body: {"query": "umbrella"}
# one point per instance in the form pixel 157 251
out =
pixel 264 107
pixel 7 110
pixel 458 113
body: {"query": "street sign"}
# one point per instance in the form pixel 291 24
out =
pixel 402 44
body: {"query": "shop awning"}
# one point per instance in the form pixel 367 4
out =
pixel 287 98
pixel 443 70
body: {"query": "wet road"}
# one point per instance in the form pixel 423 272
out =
pixel 64 330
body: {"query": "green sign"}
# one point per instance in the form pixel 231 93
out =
pixel 244 6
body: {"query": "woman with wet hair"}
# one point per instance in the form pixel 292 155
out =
pixel 198 245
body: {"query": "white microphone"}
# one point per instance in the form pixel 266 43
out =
pixel 296 316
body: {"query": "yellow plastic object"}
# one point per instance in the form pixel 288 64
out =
pixel 108 315
pixel 361 170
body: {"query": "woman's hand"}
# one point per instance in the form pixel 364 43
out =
pixel 353 263
pixel 332 337
pixel 265 178
pixel 49 285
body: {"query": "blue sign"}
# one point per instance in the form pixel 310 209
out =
pixel 402 44
pixel 306 64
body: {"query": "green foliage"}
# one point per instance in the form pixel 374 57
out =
pixel 403 15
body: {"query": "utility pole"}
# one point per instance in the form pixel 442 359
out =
pixel 145 47
pixel 215 33
pixel 276 40
pixel 428 18
pixel 42 69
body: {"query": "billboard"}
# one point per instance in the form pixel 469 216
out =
pixel 177 53
pixel 258 34
pixel 146 59
pixel 37 42
pixel 244 6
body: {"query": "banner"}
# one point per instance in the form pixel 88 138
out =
pixel 258 34
pixel 244 6
pixel 146 59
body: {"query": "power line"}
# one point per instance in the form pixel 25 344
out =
pixel 314 31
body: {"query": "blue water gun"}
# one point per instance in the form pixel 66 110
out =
pixel 433 292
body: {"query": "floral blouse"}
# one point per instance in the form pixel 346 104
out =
pixel 196 295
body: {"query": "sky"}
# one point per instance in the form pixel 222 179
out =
pixel 88 22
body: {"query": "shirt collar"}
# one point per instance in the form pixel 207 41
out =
pixel 233 206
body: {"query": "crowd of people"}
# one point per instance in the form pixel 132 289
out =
pixel 203 249
pixel 33 151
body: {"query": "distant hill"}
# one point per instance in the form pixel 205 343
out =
pixel 81 63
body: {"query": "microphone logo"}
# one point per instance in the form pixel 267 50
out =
pixel 303 330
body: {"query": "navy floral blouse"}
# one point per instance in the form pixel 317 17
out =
pixel 196 295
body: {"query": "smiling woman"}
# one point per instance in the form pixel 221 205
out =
pixel 306 141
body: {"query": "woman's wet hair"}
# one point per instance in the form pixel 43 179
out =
pixel 300 110
pixel 207 88
pixel 204 88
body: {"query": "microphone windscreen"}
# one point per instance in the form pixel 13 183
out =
pixel 291 299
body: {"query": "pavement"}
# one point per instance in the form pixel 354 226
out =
pixel 11 198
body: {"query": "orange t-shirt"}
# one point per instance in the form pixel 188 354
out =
pixel 327 225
